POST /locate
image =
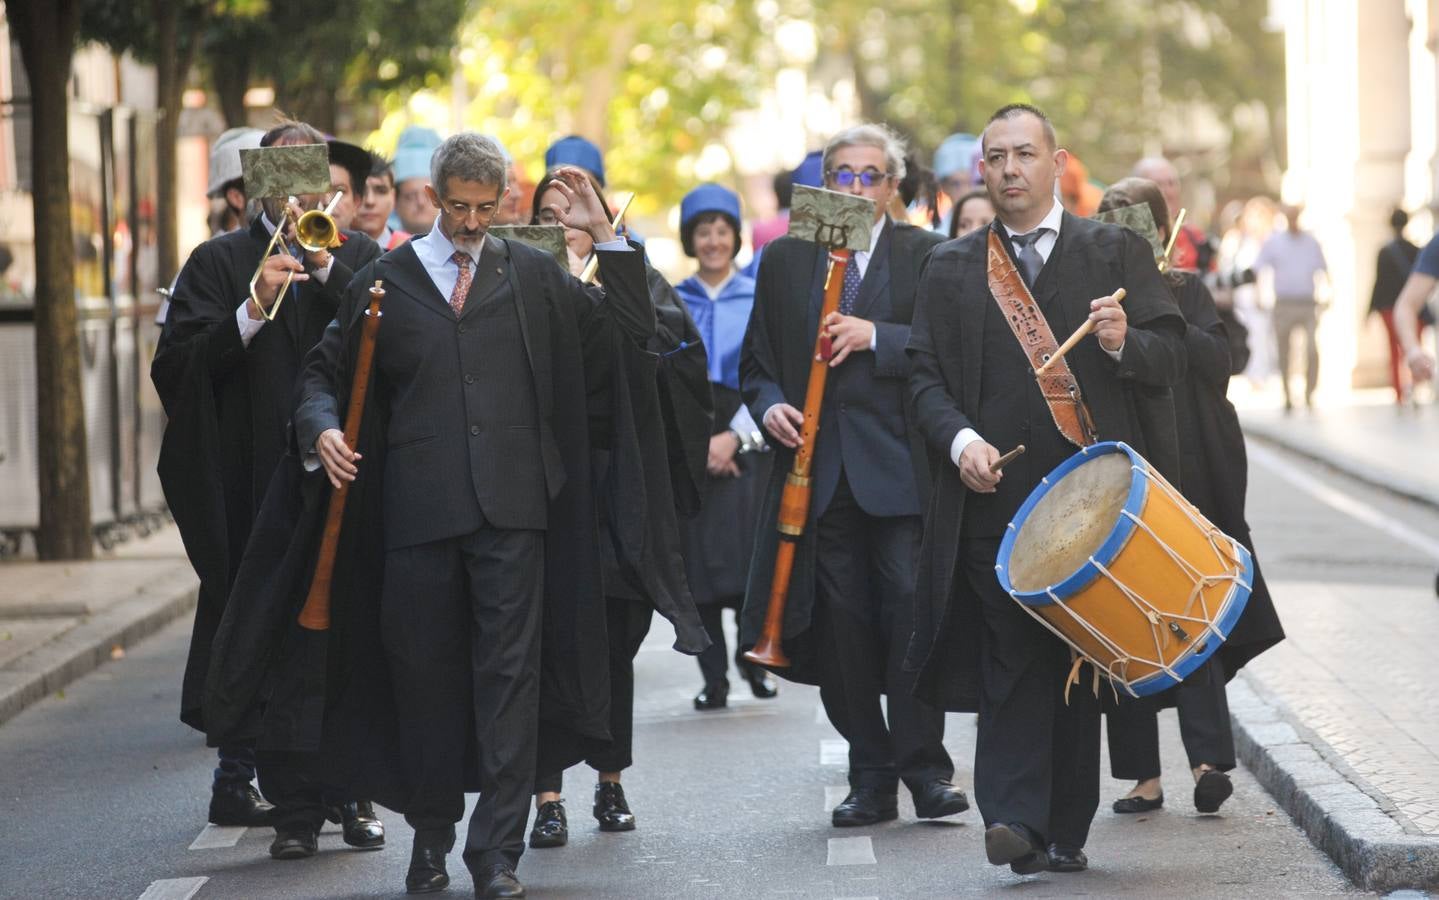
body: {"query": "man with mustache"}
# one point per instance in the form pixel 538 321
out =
pixel 1036 771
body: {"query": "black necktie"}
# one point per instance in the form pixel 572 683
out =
pixel 1030 262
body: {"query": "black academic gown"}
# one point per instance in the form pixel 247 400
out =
pixel 1129 400
pixel 286 689
pixel 1214 468
pixel 228 407
pixel 774 368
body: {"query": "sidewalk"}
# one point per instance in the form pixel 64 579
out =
pixel 1340 722
pixel 61 620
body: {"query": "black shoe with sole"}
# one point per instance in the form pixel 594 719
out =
pixel 865 806
pixel 760 682
pixel 427 873
pixel 712 696
pixel 1212 789
pixel 1138 804
pixel 1064 858
pixel 498 882
pixel 551 828
pixel 1017 846
pixel 939 798
pixel 611 810
pixel 294 842
pixel 359 824
pixel 237 803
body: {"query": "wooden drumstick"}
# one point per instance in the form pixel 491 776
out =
pixel 1075 338
pixel 1006 459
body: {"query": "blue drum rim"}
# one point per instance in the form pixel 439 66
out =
pixel 1107 552
pixel 1191 660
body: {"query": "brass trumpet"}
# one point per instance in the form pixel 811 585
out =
pixel 314 230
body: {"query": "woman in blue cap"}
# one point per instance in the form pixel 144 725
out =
pixel 719 541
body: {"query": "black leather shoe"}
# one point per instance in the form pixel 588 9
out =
pixel 611 810
pixel 865 806
pixel 760 682
pixel 497 882
pixel 427 872
pixel 294 842
pixel 1138 804
pixel 551 828
pixel 1063 858
pixel 359 823
pixel 712 696
pixel 238 803
pixel 1212 789
pixel 1017 846
pixel 939 798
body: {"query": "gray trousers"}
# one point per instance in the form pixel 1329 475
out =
pixel 1293 314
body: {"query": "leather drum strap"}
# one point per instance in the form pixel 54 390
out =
pixel 1058 386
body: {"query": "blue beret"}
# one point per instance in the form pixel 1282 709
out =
pixel 576 151
pixel 413 151
pixel 810 172
pixel 708 198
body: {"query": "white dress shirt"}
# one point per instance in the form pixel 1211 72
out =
pixel 250 327
pixel 1043 245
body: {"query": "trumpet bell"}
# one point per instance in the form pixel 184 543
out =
pixel 316 230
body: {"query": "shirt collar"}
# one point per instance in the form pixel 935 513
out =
pixel 1050 221
pixel 715 290
pixel 439 249
pixel 877 231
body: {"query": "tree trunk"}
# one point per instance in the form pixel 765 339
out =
pixel 46 31
pixel 230 77
pixel 169 82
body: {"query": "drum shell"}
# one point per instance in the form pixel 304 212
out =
pixel 1141 556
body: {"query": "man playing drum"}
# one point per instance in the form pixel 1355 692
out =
pixel 976 396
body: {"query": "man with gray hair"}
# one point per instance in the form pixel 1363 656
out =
pixel 485 356
pixel 849 617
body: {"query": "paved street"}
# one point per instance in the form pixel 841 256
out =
pixel 105 792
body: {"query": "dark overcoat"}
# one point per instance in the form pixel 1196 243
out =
pixel 1129 400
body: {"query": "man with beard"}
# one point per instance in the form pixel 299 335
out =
pixel 1036 771
pixel 482 367
pixel 226 376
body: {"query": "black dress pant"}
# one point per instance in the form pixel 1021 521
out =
pixel 714 659
pixel 1203 707
pixel 1036 760
pixel 628 621
pixel 461 628
pixel 289 781
pixel 864 616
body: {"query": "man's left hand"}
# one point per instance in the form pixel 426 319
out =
pixel 1110 322
pixel 847 334
pixel 586 212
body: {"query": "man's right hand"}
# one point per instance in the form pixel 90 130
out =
pixel 272 278
pixel 783 422
pixel 974 463
pixel 338 459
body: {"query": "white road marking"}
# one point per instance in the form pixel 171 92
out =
pixel 834 752
pixel 820 716
pixel 174 888
pixel 834 794
pixel 214 837
pixel 1343 502
pixel 851 851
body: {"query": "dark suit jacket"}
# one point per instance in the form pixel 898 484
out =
pixel 1129 401
pixel 866 425
pixel 229 406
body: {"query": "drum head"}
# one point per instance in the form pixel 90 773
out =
pixel 1070 522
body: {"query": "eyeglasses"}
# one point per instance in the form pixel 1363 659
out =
pixel 844 176
pixel 483 212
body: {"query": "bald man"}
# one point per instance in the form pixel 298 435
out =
pixel 1192 248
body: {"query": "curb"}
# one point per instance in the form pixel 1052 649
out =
pixel 1340 818
pixel 84 648
pixel 1353 466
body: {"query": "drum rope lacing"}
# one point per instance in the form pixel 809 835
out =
pixel 1117 671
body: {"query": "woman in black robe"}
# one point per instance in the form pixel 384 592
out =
pixel 1213 470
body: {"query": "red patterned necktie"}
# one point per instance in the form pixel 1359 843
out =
pixel 462 284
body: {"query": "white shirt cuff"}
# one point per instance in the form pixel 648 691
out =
pixel 1114 354
pixel 323 275
pixel 965 437
pixel 618 244
pixel 873 338
pixel 311 460
pixel 248 327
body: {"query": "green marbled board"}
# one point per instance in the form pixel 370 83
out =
pixel 832 219
pixel 286 171
pixel 549 238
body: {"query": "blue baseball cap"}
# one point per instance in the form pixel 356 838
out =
pixel 576 151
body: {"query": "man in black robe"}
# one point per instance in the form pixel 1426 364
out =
pixel 486 513
pixel 1037 758
pixel 226 376
pixel 848 618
